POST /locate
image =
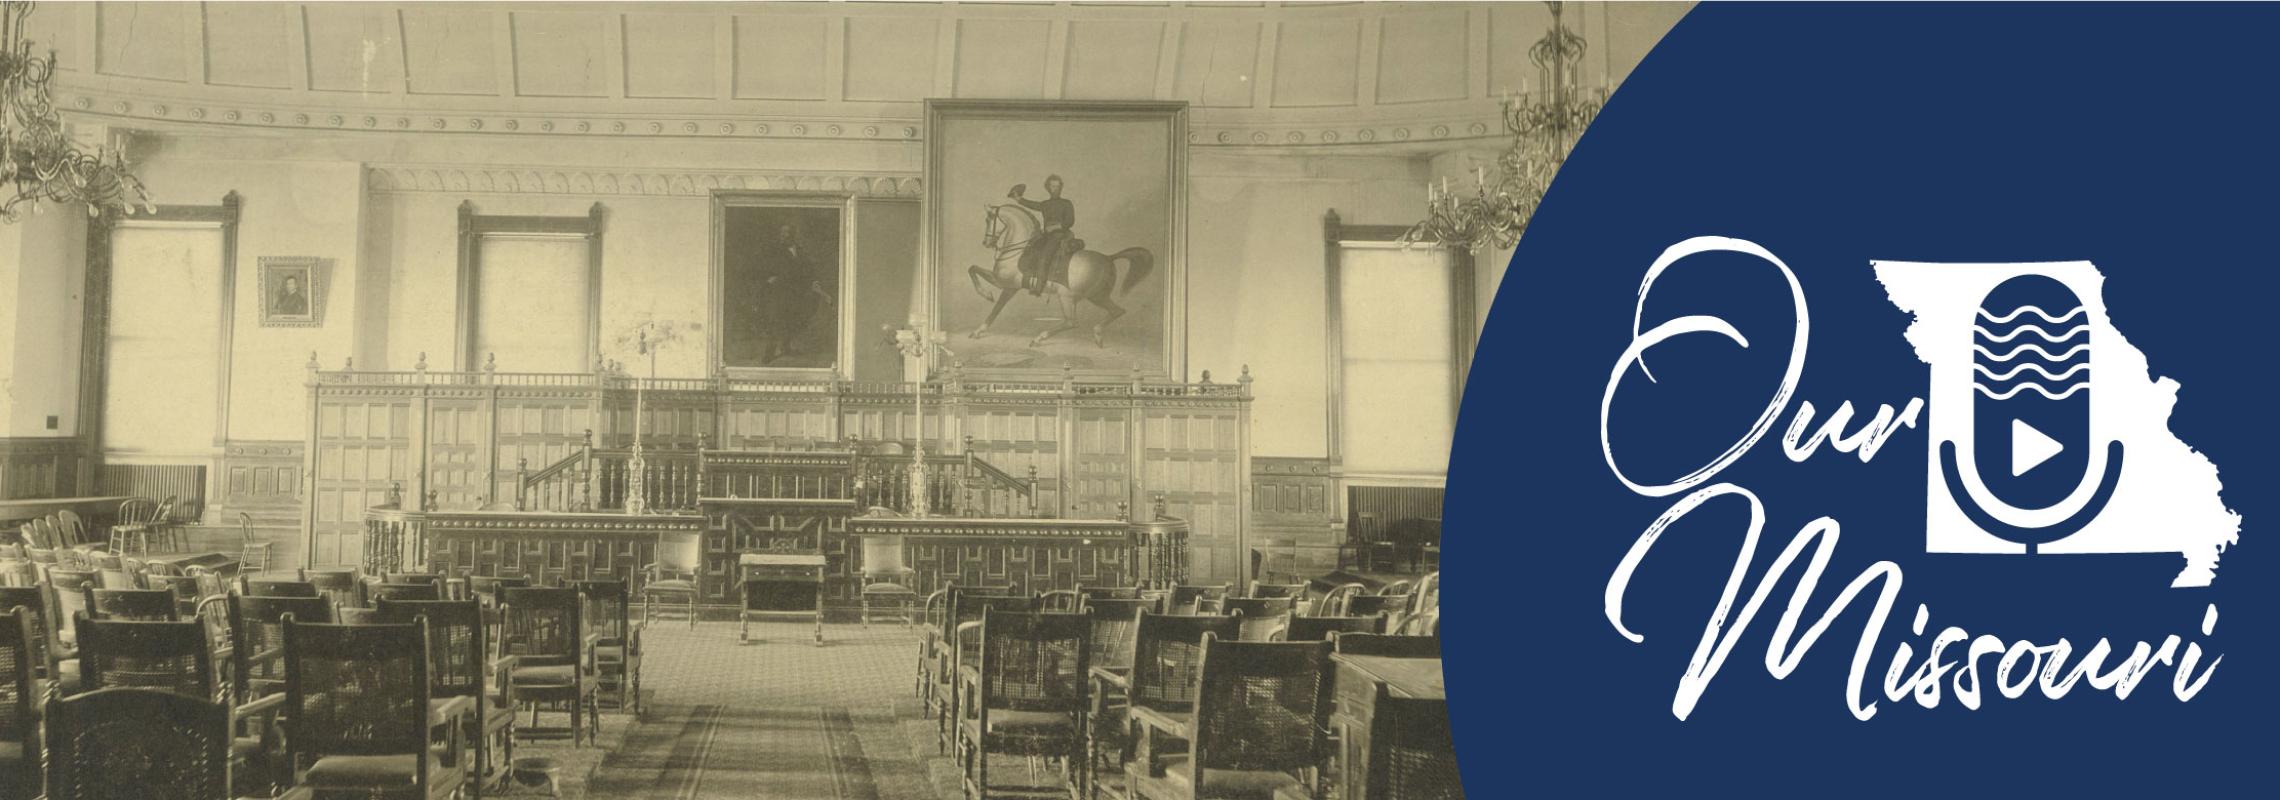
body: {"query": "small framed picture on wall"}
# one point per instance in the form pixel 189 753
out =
pixel 292 292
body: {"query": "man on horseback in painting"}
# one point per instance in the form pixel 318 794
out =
pixel 1049 251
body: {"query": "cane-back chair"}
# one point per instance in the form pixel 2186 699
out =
pixel 607 615
pixel 1364 605
pixel 460 667
pixel 149 605
pixel 1109 592
pixel 1319 629
pixel 404 591
pixel 963 647
pixel 139 743
pixel 185 590
pixel 1411 754
pixel 1026 696
pixel 279 587
pixel 1368 644
pixel 358 711
pixel 554 664
pixel 1115 624
pixel 19 698
pixel 1262 714
pixel 46 653
pixel 1167 656
pixel 147 654
pixel 1196 599
pixel 1264 618
pixel 342 586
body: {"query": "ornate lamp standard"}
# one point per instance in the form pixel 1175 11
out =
pixel 916 343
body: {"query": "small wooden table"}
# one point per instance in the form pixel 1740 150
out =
pixel 780 583
pixel 1376 695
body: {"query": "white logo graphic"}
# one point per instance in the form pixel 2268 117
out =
pixel 2048 431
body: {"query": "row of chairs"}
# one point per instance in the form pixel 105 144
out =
pixel 1123 627
pixel 142 524
pixel 506 646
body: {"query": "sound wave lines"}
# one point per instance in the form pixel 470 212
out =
pixel 2039 366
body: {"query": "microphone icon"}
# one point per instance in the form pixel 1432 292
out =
pixel 2030 412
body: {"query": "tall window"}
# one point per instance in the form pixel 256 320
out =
pixel 1403 328
pixel 164 342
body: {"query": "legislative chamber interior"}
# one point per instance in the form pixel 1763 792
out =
pixel 716 400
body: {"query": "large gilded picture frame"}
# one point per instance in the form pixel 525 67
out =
pixel 782 283
pixel 1056 236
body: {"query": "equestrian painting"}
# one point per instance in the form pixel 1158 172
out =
pixel 1036 251
pixel 1075 263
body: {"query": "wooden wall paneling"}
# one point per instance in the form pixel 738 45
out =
pixel 40 468
pixel 1193 459
pixel 1018 439
pixel 365 442
pixel 778 421
pixel 457 461
pixel 1100 461
pixel 536 427
pixel 733 526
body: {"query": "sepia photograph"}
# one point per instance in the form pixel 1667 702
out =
pixel 696 400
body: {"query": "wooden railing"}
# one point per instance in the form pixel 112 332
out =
pixel 593 479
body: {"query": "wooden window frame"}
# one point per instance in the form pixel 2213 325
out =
pixel 95 336
pixel 1335 235
pixel 474 227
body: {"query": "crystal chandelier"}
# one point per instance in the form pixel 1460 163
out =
pixel 1544 125
pixel 38 162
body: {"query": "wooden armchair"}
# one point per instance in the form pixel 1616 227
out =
pixel 1264 618
pixel 1319 629
pixel 277 587
pixel 554 659
pixel 46 653
pixel 360 711
pixel 149 605
pixel 256 656
pixel 1167 656
pixel 1114 625
pixel 115 743
pixel 617 640
pixel 342 586
pixel 1196 599
pixel 20 696
pixel 163 655
pixel 461 669
pixel 963 648
pixel 1261 714
pixel 886 578
pixel 673 576
pixel 382 592
pixel 1370 644
pixel 1025 695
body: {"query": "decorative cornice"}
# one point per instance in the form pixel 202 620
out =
pixel 579 181
pixel 125 111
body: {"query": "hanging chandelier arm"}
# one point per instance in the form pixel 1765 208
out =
pixel 38 161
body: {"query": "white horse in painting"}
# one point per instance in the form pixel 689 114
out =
pixel 1009 229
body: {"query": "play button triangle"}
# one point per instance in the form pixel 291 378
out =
pixel 2030 447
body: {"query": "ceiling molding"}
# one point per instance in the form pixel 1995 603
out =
pixel 406 178
pixel 133 112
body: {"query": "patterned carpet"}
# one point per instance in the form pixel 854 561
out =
pixel 780 718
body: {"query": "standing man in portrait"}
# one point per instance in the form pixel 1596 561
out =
pixel 790 292
pixel 289 300
pixel 1060 216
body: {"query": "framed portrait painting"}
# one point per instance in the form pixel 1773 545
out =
pixel 1056 235
pixel 782 282
pixel 292 292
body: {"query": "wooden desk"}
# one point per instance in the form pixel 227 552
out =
pixel 1386 705
pixel 780 584
pixel 18 512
